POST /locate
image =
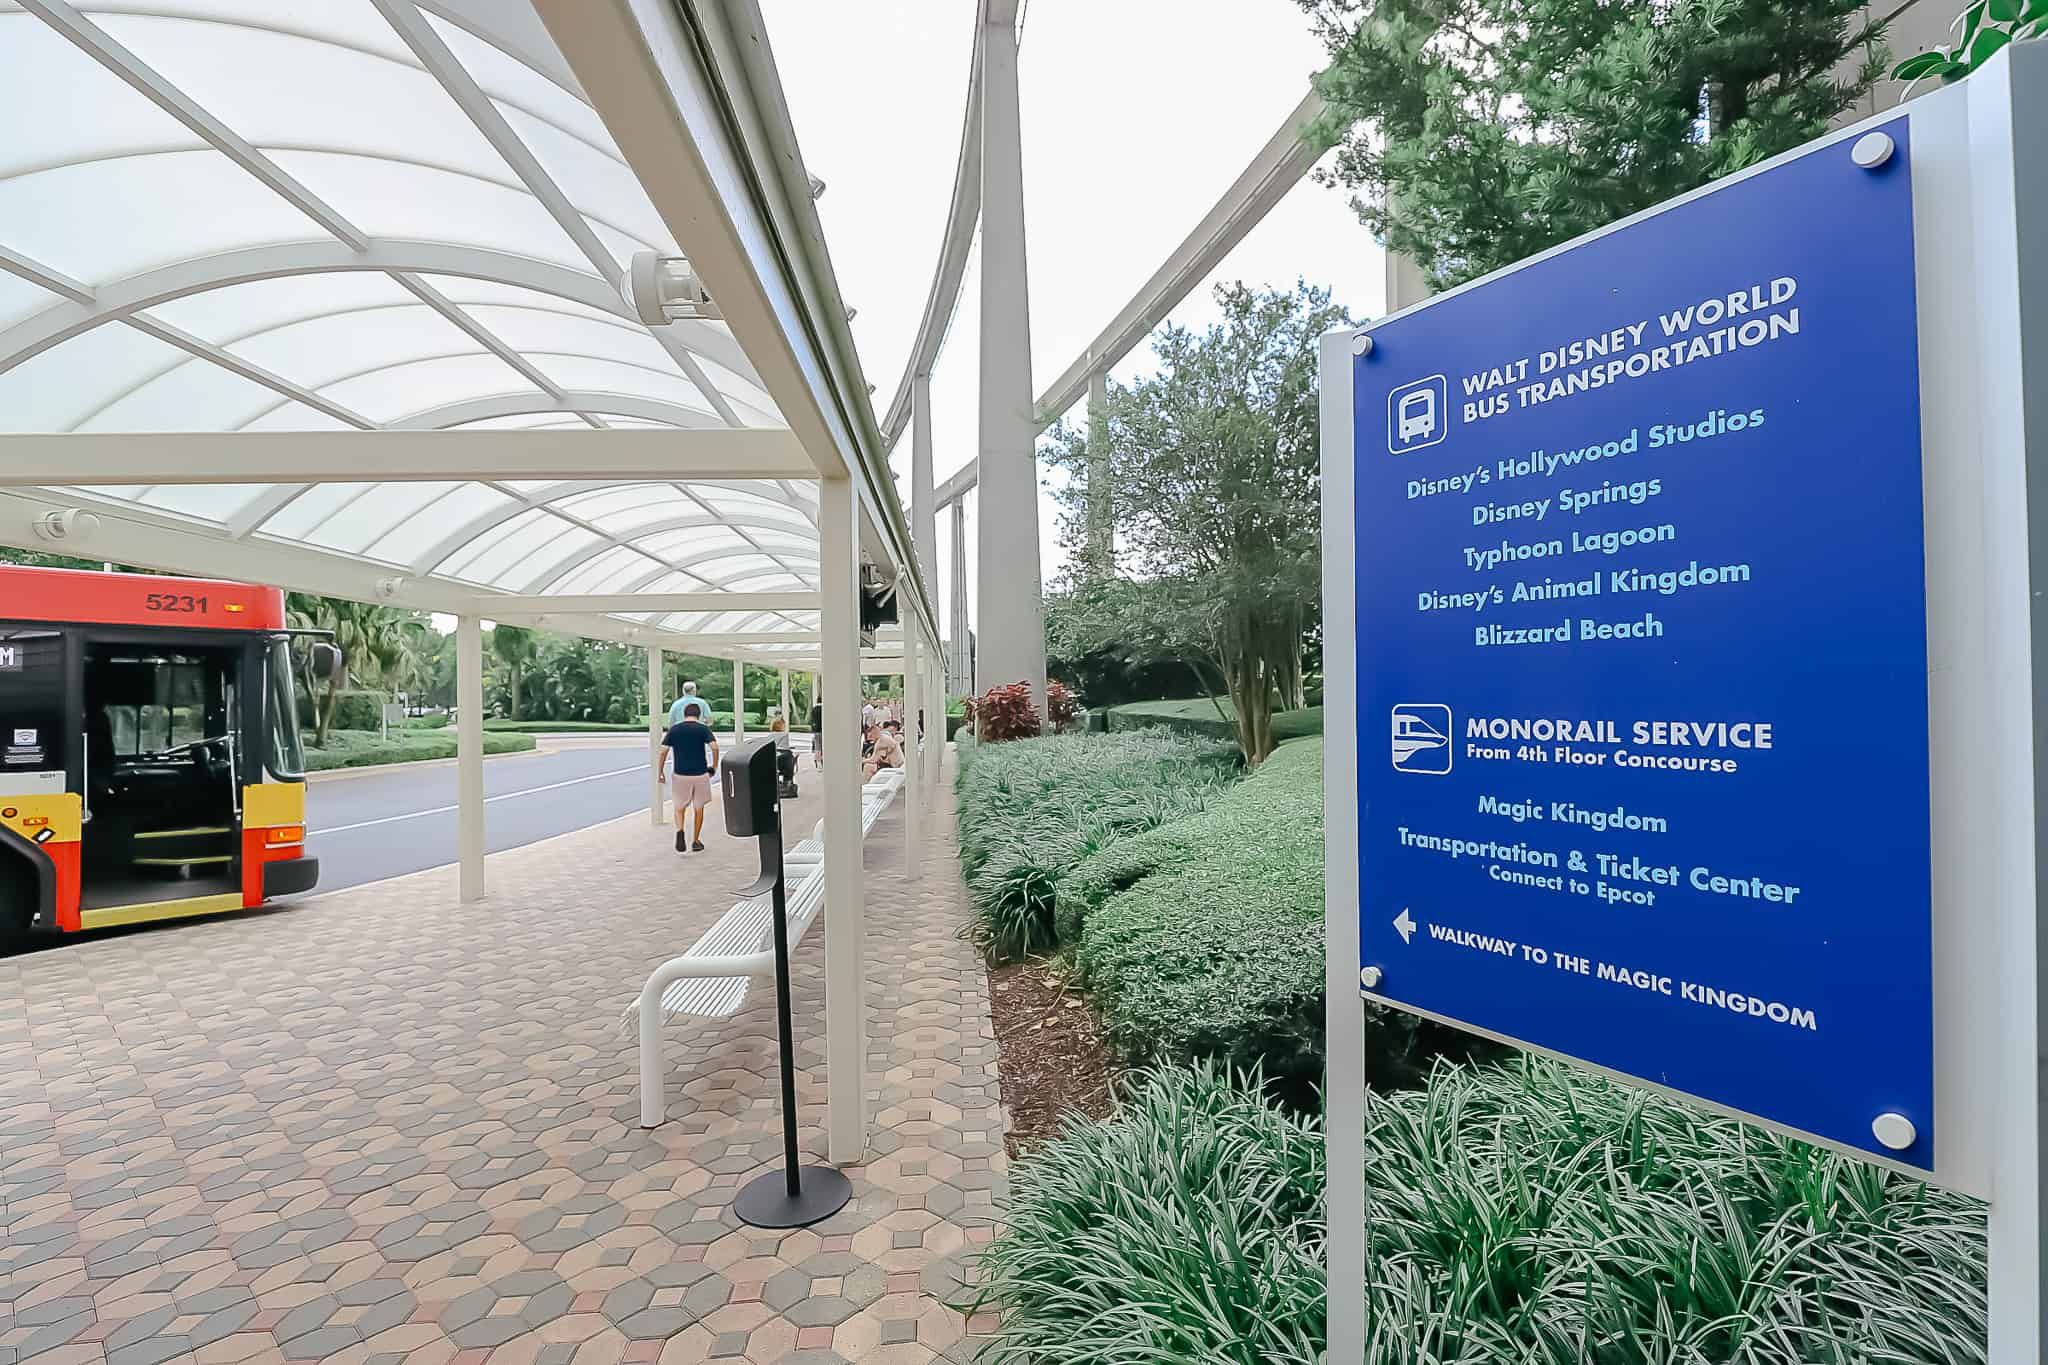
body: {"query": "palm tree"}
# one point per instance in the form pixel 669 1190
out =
pixel 380 646
pixel 516 646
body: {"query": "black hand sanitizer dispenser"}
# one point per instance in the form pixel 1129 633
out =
pixel 798 1195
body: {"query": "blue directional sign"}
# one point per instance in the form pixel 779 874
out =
pixel 1642 662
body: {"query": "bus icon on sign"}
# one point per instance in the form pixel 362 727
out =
pixel 1418 415
pixel 1422 737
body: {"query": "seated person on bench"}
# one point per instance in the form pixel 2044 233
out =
pixel 885 750
pixel 785 757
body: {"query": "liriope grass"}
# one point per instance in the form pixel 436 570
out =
pixel 1188 1228
pixel 1031 809
pixel 1534 1213
pixel 1526 1213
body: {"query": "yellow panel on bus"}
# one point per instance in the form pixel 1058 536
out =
pixel 42 819
pixel 273 803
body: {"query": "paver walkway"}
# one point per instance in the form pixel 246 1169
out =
pixel 385 1126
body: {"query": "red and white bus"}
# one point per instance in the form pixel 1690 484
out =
pixel 150 765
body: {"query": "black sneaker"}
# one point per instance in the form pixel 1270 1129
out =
pixel 682 844
pixel 698 846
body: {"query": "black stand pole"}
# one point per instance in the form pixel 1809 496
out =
pixel 802 1195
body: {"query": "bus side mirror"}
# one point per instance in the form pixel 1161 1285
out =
pixel 328 662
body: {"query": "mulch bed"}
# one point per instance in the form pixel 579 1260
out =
pixel 1054 1061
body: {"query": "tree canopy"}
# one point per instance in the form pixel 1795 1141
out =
pixel 1483 131
pixel 1214 482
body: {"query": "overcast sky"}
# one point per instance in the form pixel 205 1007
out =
pixel 1136 116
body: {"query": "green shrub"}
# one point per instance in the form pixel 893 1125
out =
pixel 437 721
pixel 563 727
pixel 1197 716
pixel 354 709
pixel 1187 1228
pixel 363 749
pixel 1204 938
pixel 1031 809
pixel 1536 1213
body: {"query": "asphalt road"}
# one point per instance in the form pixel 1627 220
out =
pixel 402 819
pixel 391 821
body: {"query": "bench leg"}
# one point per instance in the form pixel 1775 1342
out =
pixel 653 1103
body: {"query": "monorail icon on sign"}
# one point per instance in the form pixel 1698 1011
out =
pixel 1418 415
pixel 1422 737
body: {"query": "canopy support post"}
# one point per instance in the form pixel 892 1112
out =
pixel 913 756
pixel 937 727
pixel 739 703
pixel 846 1043
pixel 469 747
pixel 655 729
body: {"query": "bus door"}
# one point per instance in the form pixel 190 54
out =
pixel 39 751
pixel 163 757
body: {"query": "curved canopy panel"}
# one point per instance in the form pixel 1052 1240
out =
pixel 240 216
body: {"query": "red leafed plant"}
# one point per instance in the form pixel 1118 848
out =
pixel 1065 707
pixel 1004 713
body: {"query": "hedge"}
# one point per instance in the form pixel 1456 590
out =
pixel 1197 716
pixel 562 727
pixel 364 749
pixel 1204 938
pixel 1523 1214
pixel 354 709
pixel 1031 809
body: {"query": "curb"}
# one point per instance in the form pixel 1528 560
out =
pixel 411 765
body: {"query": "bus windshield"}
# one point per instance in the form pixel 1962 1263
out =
pixel 281 715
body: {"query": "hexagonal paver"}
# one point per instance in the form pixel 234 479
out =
pixel 505 1308
pixel 417 1236
pixel 561 1227
pixel 657 1305
pixel 355 1312
pixel 392 1131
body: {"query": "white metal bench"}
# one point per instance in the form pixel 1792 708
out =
pixel 711 979
pixel 875 798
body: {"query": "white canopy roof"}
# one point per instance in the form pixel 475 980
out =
pixel 239 216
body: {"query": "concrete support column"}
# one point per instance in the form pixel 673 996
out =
pixel 469 748
pixel 788 715
pixel 913 755
pixel 1012 646
pixel 657 725
pixel 963 658
pixel 846 1033
pixel 1405 282
pixel 1101 520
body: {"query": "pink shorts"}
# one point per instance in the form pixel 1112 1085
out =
pixel 690 791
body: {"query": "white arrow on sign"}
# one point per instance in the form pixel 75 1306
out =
pixel 1406 925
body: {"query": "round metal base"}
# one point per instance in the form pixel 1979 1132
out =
pixel 764 1201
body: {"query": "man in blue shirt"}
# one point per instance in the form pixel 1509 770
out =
pixel 695 750
pixel 689 704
